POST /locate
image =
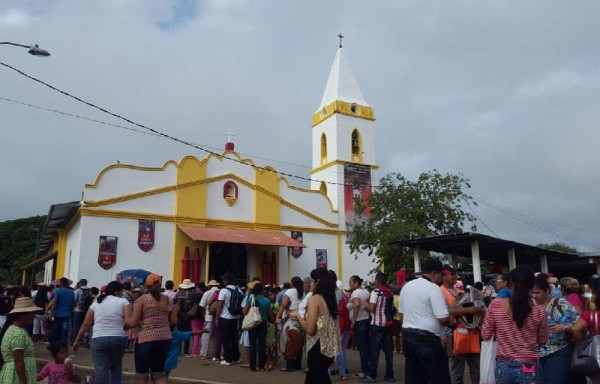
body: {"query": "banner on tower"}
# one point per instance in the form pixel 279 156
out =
pixel 357 183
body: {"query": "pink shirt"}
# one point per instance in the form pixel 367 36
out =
pixel 56 373
pixel 575 300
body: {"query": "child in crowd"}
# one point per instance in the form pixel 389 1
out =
pixel 59 371
pixel 177 338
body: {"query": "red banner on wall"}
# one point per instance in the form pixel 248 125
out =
pixel 146 234
pixel 107 254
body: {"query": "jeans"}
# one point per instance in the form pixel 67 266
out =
pixel 107 354
pixel 60 329
pixel 555 366
pixel 426 361
pixel 361 337
pixel 229 332
pixel 317 366
pixel 516 372
pixel 381 338
pixel 258 337
pixel 341 357
pixel 185 326
pixel 77 321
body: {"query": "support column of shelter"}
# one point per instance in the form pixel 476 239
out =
pixel 544 263
pixel 476 261
pixel 416 259
pixel 512 259
pixel 207 264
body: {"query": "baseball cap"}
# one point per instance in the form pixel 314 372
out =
pixel 151 279
pixel 448 270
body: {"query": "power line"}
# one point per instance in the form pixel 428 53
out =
pixel 156 132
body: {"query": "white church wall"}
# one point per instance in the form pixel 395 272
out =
pixel 121 180
pixel 129 255
pixel 162 204
pixel 216 167
pixel 302 265
pixel 73 251
pixel 310 201
pixel 217 207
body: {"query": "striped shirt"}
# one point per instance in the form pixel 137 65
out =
pixel 513 342
pixel 377 297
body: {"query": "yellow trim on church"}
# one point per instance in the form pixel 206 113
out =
pixel 340 162
pixel 127 166
pixel 343 108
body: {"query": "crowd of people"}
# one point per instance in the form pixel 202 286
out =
pixel 436 321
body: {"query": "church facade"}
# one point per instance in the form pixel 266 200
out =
pixel 199 218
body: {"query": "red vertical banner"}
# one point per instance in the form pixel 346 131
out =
pixel 357 184
pixel 107 253
pixel 297 251
pixel 321 258
pixel 146 234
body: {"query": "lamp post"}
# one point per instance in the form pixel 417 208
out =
pixel 34 49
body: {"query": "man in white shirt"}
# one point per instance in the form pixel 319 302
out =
pixel 213 286
pixel 425 316
pixel 228 322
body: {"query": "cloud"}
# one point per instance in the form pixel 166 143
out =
pixel 13 18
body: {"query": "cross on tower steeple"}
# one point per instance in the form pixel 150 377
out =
pixel 341 37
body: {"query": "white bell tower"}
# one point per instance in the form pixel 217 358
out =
pixel 343 137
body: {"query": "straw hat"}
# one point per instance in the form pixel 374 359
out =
pixel 251 284
pixel 213 283
pixel 138 289
pixel 187 284
pixel 42 284
pixel 24 304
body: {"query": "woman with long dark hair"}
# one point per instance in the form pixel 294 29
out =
pixel 555 355
pixel 17 346
pixel 155 313
pixel 321 326
pixel 520 327
pixel 109 339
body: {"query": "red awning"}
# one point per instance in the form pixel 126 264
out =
pixel 242 236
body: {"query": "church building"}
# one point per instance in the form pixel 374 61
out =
pixel 199 218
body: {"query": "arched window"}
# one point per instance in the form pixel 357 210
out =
pixel 356 147
pixel 323 149
pixel 323 187
pixel 230 192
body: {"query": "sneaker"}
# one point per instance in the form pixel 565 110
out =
pixel 367 379
pixel 225 363
pixel 214 359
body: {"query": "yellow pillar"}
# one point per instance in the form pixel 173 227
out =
pixel 206 274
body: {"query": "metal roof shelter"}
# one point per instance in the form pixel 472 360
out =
pixel 476 246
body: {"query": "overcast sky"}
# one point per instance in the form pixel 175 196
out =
pixel 506 93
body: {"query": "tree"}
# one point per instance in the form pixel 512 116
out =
pixel 401 209
pixel 561 247
pixel 17 246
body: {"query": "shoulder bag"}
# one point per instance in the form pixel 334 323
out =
pixel 586 357
pixel 253 318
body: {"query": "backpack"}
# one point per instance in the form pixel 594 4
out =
pixel 235 301
pixel 83 303
pixel 389 310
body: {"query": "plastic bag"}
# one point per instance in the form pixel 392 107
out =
pixel 487 362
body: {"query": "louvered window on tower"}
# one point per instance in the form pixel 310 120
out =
pixel 356 150
pixel 323 149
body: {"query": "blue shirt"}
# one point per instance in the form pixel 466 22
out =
pixel 280 295
pixel 64 302
pixel 262 303
pixel 173 356
pixel 505 293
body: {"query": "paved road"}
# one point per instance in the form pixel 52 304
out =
pixel 202 371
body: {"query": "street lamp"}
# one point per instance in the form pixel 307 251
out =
pixel 34 49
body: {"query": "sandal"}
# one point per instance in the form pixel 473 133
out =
pixel 244 365
pixel 344 378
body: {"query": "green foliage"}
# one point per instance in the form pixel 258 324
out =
pixel 18 239
pixel 402 209
pixel 561 247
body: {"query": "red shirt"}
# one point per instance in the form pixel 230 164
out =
pixel 587 316
pixel 401 278
pixel 513 342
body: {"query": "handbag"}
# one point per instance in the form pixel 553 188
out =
pixel 253 318
pixel 586 357
pixel 487 362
